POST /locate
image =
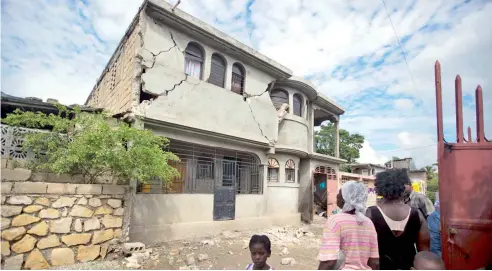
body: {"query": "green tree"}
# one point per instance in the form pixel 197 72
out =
pixel 350 144
pixel 432 188
pixel 94 145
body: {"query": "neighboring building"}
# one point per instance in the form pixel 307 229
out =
pixel 242 125
pixel 367 169
pixel 415 175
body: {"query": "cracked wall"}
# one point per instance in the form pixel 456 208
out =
pixel 188 101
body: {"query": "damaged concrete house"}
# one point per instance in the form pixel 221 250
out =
pixel 241 124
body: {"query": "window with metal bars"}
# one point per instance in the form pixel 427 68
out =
pixel 193 60
pixel 297 104
pixel 273 175
pixel 217 70
pixel 279 97
pixel 290 171
pixel 202 168
pixel 237 84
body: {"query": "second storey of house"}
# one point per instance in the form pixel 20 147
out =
pixel 173 69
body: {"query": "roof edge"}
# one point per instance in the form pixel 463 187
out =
pixel 194 24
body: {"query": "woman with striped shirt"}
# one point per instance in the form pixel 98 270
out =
pixel 349 232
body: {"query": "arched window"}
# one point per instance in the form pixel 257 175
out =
pixel 290 171
pixel 217 70
pixel 297 104
pixel 193 60
pixel 279 97
pixel 237 78
pixel 273 167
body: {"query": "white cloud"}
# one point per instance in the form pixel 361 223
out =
pixel 369 155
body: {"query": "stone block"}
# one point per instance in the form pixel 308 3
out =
pixel 61 188
pixel 16 174
pixel 5 187
pixel 36 261
pixel 8 211
pixel 19 200
pixel 49 213
pixel 32 208
pixel 40 229
pixel 80 211
pixel 76 239
pixel 110 221
pixel 95 202
pixel 5 223
pixel 115 203
pixel 62 256
pixel 14 262
pixel 47 242
pixel 4 198
pixel 25 244
pixel 61 225
pixel 104 250
pixel 63 202
pixel 118 233
pixel 5 248
pixel 88 253
pixel 42 201
pixel 92 224
pixel 13 233
pixel 119 212
pixel 89 189
pixel 102 236
pixel 4 162
pixel 113 189
pixel 82 201
pixel 23 220
pixel 78 225
pixel 103 210
pixel 29 188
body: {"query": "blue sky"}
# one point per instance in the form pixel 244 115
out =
pixel 348 49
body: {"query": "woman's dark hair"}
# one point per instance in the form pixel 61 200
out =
pixel 390 184
pixel 263 240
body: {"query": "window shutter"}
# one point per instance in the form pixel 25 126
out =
pixel 297 105
pixel 217 71
pixel 279 97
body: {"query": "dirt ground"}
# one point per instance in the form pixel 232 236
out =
pixel 292 248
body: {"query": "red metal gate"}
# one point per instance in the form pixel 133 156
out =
pixel 465 187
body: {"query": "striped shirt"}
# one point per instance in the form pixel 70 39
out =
pixel 357 242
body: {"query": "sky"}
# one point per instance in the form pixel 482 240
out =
pixel 349 49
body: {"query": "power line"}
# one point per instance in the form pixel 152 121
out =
pixel 400 45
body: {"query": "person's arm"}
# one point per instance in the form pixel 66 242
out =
pixel 423 241
pixel 373 263
pixel 330 245
pixel 327 265
pixel 373 260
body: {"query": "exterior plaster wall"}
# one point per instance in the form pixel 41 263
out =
pixel 164 217
pixel 282 199
pixel 191 102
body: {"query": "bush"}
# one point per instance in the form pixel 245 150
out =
pixel 94 145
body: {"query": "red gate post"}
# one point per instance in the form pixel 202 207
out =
pixel 465 187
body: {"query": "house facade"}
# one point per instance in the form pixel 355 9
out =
pixel 241 124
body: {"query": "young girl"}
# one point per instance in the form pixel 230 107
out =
pixel 260 249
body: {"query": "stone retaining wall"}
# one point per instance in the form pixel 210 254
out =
pixel 53 224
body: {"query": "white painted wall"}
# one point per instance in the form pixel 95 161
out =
pixel 196 103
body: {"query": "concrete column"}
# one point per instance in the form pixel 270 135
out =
pixel 337 142
pixel 291 103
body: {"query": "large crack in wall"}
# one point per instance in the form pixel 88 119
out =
pixel 247 96
pixel 146 66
